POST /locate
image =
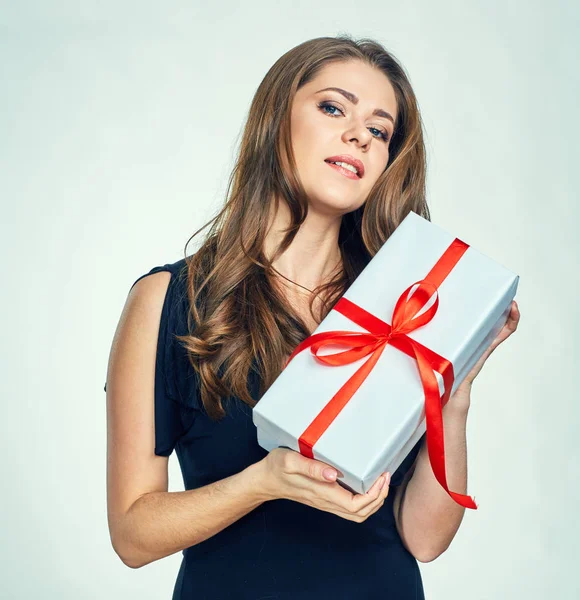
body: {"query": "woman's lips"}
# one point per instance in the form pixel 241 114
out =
pixel 344 171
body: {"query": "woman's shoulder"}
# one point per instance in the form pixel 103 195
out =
pixel 174 369
pixel 175 306
pixel 178 270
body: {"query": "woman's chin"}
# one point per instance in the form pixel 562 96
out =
pixel 333 204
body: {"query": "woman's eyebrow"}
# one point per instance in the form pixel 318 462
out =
pixel 354 99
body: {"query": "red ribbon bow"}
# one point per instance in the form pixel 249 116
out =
pixel 405 320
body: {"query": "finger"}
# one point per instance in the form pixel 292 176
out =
pixel 376 501
pixel 348 502
pixel 514 316
pixel 379 485
pixel 315 469
pixel 360 501
pixel 376 505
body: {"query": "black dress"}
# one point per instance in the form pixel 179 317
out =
pixel 282 550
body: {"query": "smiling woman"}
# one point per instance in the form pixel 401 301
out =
pixel 331 161
pixel 325 121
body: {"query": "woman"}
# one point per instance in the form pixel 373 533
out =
pixel 332 159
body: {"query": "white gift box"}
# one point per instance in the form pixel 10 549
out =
pixel 385 417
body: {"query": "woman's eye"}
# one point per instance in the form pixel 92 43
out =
pixel 382 134
pixel 324 105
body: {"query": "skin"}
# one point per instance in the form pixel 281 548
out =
pixel 318 133
pixel 426 517
pixel 461 398
pixel 146 521
pixel 429 518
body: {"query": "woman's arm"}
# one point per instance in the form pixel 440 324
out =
pixel 146 522
pixel 159 524
pixel 428 518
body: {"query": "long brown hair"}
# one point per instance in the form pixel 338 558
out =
pixel 244 322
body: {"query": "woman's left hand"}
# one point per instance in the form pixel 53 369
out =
pixel 461 398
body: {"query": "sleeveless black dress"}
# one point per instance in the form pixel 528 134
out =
pixel 282 550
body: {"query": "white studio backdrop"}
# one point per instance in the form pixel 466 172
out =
pixel 119 122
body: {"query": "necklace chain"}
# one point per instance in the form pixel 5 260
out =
pixel 290 280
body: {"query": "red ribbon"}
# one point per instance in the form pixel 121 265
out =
pixel 379 335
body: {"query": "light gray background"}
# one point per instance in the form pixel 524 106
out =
pixel 119 122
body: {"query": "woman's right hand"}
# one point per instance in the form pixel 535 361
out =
pixel 287 474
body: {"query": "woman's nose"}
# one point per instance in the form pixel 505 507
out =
pixel 357 133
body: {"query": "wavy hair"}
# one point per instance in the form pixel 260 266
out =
pixel 239 320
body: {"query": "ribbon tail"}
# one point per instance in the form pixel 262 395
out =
pixel 434 423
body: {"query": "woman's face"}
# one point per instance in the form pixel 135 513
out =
pixel 328 123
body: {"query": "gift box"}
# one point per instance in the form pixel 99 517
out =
pixel 396 346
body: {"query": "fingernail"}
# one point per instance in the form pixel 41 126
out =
pixel 382 484
pixel 329 474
